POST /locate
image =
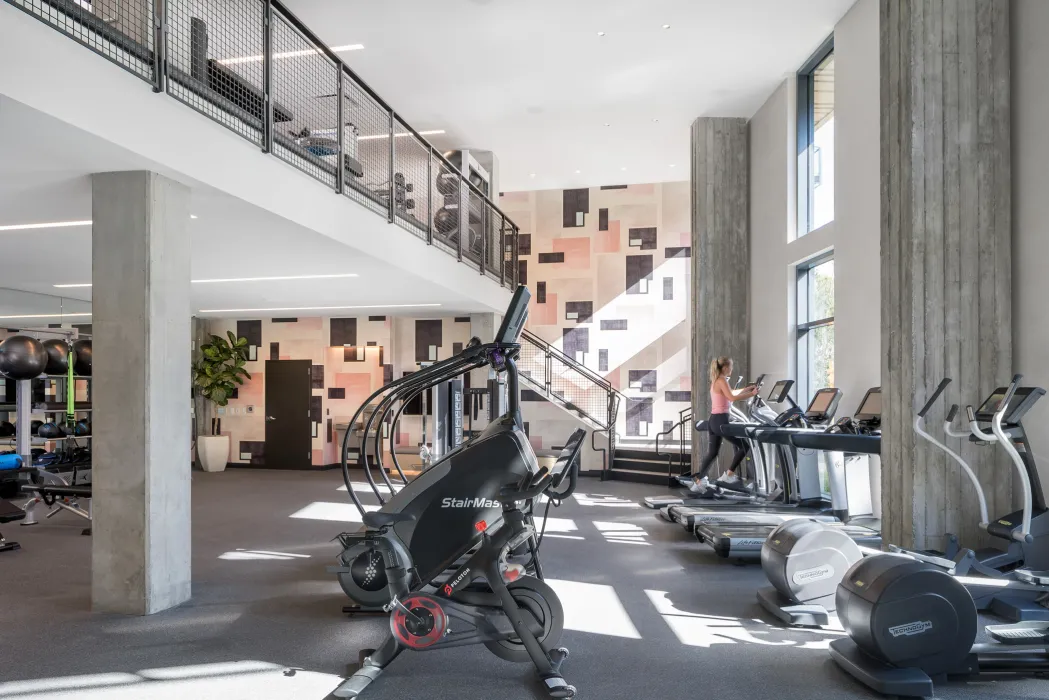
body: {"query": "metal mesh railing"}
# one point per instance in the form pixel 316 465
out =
pixel 120 30
pixel 569 384
pixel 253 67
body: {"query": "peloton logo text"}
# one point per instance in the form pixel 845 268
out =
pixel 911 629
pixel 449 587
pixel 469 503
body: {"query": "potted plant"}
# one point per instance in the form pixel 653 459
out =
pixel 217 374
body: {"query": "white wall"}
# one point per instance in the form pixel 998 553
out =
pixel 1030 63
pixel 855 232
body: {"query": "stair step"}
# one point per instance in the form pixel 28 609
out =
pixel 640 466
pixel 640 477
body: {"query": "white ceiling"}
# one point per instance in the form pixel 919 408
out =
pixel 44 177
pixel 532 80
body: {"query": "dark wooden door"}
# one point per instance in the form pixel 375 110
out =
pixel 289 435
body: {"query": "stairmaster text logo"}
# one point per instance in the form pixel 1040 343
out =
pixel 911 629
pixel 811 575
pixel 469 503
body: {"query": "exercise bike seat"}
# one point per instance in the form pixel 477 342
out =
pixel 378 520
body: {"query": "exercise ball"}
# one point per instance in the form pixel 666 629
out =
pixel 82 358
pixel 57 356
pixel 82 427
pixel 447 183
pixel 22 357
pixel 6 429
pixel 446 220
pixel 35 427
pixel 49 431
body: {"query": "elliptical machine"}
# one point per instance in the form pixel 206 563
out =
pixel 911 623
pixel 469 500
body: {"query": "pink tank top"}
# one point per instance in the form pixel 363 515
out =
pixel 718 403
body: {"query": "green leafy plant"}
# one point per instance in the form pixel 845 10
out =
pixel 220 368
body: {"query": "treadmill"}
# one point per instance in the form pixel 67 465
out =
pixel 742 540
pixel 794 505
pixel 758 412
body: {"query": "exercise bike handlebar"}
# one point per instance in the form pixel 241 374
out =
pixel 935 395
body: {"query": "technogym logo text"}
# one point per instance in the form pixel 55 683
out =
pixel 911 629
pixel 810 575
pixel 469 503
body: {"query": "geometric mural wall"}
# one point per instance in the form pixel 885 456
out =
pixel 610 275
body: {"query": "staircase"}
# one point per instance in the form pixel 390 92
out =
pixel 571 386
pixel 672 456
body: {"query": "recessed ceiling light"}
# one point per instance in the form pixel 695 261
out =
pixel 531 174
pixel 672 165
pixel 578 171
pixel 317 308
pixel 79 315
pixel 655 120
pixel 623 168
pixel 192 216
pixel 607 124
pixel 399 134
pixel 600 33
pixel 52 224
pixel 274 279
pixel 288 54
pixel 666 26
pixel 240 279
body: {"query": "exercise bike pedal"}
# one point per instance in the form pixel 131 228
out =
pixel 558 687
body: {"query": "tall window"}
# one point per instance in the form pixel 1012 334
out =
pixel 816 140
pixel 815 342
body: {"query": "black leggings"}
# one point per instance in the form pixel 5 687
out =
pixel 739 447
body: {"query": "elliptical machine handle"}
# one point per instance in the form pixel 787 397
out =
pixel 1017 378
pixel 952 413
pixel 935 395
pixel 970 413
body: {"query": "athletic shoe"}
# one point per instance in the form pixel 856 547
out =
pixel 698 486
pixel 729 479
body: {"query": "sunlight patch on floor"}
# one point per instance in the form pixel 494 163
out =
pixel 597 499
pixel 594 608
pixel 336 512
pixel 622 533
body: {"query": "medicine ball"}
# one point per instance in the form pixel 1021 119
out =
pixel 82 359
pixel 49 431
pixel 22 357
pixel 446 220
pixel 57 356
pixel 447 182
pixel 82 427
pixel 34 427
pixel 6 429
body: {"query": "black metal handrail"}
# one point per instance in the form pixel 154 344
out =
pixel 681 452
pixel 166 44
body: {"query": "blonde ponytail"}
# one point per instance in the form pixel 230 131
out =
pixel 717 365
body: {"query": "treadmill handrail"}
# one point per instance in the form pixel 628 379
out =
pixel 1024 533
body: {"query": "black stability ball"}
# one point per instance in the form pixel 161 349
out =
pixel 49 431
pixel 82 427
pixel 446 220
pixel 6 429
pixel 35 426
pixel 22 357
pixel 57 356
pixel 82 359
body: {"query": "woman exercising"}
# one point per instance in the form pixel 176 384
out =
pixel 721 395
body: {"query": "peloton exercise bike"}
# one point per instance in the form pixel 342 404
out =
pixel 471 498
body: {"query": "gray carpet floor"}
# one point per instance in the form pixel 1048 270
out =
pixel 651 613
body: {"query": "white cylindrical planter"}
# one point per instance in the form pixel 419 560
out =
pixel 213 451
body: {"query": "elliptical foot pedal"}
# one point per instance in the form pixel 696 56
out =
pixel 558 687
pixel 1020 633
pixel 358 682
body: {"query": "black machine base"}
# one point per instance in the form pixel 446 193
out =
pixel 877 675
pixel 789 613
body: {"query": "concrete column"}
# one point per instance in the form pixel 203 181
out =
pixel 720 252
pixel 141 393
pixel 946 254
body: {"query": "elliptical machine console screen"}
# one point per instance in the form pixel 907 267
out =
pixel 514 320
pixel 824 405
pixel 779 392
pixel 1022 401
pixel 870 407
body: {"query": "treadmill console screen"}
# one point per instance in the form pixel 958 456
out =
pixel 780 391
pixel 823 405
pixel 514 320
pixel 870 407
pixel 1022 401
